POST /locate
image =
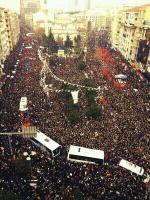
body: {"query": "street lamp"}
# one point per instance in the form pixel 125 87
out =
pixel 29 155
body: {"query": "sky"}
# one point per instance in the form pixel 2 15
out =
pixel 14 4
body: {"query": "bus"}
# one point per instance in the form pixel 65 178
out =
pixel 131 167
pixel 86 155
pixel 42 139
pixel 23 104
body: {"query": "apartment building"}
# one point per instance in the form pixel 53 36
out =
pixel 129 28
pixel 9 34
pixel 4 41
pixel 13 27
pixel 99 19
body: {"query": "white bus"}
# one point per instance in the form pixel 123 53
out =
pixel 81 154
pixel 47 142
pixel 131 167
pixel 23 104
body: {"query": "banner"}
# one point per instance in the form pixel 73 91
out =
pixel 75 96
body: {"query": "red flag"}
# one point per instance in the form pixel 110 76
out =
pixel 117 84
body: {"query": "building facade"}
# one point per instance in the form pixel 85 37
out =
pixel 9 34
pixel 4 41
pixel 13 28
pixel 61 25
pixel 130 33
pixel 27 9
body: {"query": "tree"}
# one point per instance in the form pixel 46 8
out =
pixel 68 43
pixel 59 41
pixel 94 110
pixel 72 109
pixel 88 82
pixel 52 45
pixel 91 95
pixel 74 116
pixel 77 42
pixel 67 88
pixel 81 57
pixel 82 65
pixel 44 41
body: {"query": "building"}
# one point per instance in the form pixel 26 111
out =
pixel 13 28
pixel 4 41
pixel 61 25
pixel 27 9
pixel 9 34
pixel 99 19
pixel 130 33
pixel 115 29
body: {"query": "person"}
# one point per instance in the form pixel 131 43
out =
pixel 121 132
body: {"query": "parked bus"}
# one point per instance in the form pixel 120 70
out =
pixel 81 154
pixel 131 167
pixel 42 139
pixel 23 104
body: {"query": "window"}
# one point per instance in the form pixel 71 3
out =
pixel 83 158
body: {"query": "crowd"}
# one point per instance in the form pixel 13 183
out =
pixel 122 131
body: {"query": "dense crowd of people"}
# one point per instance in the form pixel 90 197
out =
pixel 121 132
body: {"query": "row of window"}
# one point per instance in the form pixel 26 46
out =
pixel 88 159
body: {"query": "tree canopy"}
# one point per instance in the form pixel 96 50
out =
pixel 68 43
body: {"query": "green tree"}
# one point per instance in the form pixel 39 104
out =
pixel 67 89
pixel 73 116
pixel 44 41
pixel 88 82
pixel 59 41
pixel 91 95
pixel 94 110
pixel 68 43
pixel 77 42
pixel 81 57
pixel 82 65
pixel 52 45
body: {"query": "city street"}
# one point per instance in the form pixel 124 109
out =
pixel 121 131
